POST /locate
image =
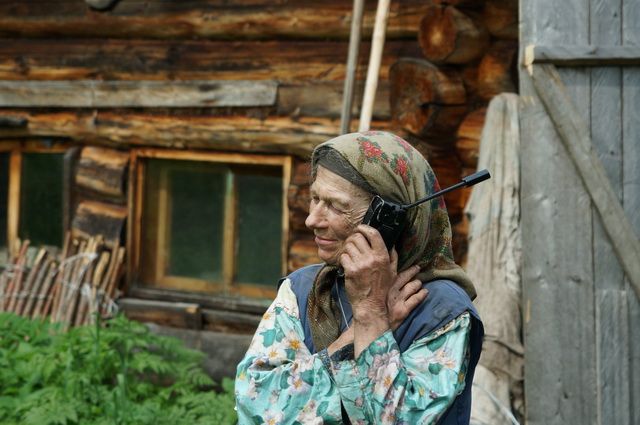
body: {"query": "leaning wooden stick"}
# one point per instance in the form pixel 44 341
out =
pixel 26 292
pixel 46 295
pixel 34 293
pixel 16 281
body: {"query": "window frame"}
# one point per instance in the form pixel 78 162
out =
pixel 137 172
pixel 16 149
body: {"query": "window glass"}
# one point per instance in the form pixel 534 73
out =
pixel 259 236
pixel 196 220
pixel 195 210
pixel 41 198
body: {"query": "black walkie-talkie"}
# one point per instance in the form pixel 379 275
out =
pixel 390 218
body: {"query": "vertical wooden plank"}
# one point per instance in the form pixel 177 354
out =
pixel 13 201
pixel 612 353
pixel 230 232
pixel 631 185
pixel 286 181
pixel 556 235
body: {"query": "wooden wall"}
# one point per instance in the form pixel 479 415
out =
pixel 582 361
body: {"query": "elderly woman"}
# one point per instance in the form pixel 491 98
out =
pixel 357 339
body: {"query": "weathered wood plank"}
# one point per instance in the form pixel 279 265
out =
pixel 611 304
pixel 324 99
pixel 586 55
pixel 575 136
pixel 631 185
pixel 176 314
pixel 234 133
pixel 209 19
pixel 216 302
pixel 94 218
pixel 495 261
pixel 284 61
pixel 137 94
pixel 103 171
pixel 556 232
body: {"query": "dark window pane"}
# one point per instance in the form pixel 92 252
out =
pixel 259 228
pixel 197 216
pixel 41 198
pixel 183 217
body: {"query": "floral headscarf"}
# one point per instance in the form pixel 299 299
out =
pixel 397 172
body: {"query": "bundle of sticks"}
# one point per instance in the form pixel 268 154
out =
pixel 71 289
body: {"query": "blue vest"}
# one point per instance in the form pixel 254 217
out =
pixel 445 302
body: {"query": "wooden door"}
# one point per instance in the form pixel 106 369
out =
pixel 581 309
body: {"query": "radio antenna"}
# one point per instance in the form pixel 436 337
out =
pixel 468 181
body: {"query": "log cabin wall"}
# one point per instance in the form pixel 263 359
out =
pixel 250 76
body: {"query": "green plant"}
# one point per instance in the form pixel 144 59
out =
pixel 112 373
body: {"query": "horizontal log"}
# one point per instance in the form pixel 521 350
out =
pixel 208 19
pixel 449 36
pixel 217 302
pixel 324 99
pixel 582 55
pixel 425 100
pixel 230 133
pixel 468 138
pixel 500 17
pixel 497 72
pixel 180 315
pixel 230 322
pixel 137 94
pixel 284 61
pixel 103 171
pixel 94 218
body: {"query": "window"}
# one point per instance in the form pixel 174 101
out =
pixel 210 222
pixel 31 194
pixel 41 199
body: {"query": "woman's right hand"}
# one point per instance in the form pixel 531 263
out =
pixel 405 294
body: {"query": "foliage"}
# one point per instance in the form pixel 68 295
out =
pixel 115 373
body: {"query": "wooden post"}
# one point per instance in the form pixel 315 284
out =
pixel 373 69
pixel 352 63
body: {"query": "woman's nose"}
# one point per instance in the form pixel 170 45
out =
pixel 316 217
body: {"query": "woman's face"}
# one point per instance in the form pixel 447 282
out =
pixel 337 207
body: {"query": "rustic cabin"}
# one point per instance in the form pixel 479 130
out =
pixel 153 161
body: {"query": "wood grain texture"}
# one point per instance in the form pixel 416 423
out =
pixel 137 94
pixel 584 55
pixel 612 317
pixel 631 184
pixel 557 236
pixel 296 136
pixel 208 19
pixel 575 136
pixel 281 60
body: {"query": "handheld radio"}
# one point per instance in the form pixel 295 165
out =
pixel 390 218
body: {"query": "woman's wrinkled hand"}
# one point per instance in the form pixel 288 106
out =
pixel 368 271
pixel 405 294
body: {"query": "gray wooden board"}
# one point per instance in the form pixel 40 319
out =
pixel 580 55
pixel 111 94
pixel 611 298
pixel 631 184
pixel 560 378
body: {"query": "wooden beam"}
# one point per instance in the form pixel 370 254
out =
pixel 283 135
pixel 13 201
pixel 582 55
pixel 137 94
pixel 205 19
pixel 177 314
pixel 575 136
pixel 211 301
pixel 287 61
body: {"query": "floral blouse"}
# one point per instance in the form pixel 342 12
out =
pixel 280 382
